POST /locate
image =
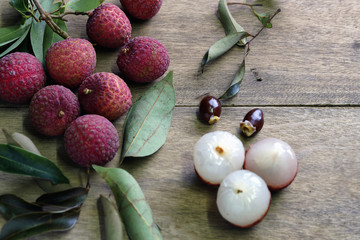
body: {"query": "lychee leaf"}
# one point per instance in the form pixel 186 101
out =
pixel 133 208
pixel 222 46
pixel 50 36
pixel 22 6
pixel 19 40
pixel 62 201
pixel 148 120
pixel 11 33
pixel 31 224
pixel 19 161
pixel 11 206
pixel 234 87
pixel 83 5
pixel 109 213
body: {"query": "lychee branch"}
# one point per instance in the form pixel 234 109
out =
pixel 49 20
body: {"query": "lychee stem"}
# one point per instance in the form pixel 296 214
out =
pixel 220 150
pixel 87 91
pixel 61 114
pixel 48 19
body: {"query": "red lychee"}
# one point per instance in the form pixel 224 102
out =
pixel 105 94
pixel 143 59
pixel 108 26
pixel 52 109
pixel 70 61
pixel 141 9
pixel 21 76
pixel 91 139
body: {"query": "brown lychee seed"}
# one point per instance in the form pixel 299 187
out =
pixel 105 94
pixel 210 109
pixel 70 61
pixel 108 26
pixel 252 122
pixel 91 139
pixel 143 60
pixel 141 9
pixel 21 76
pixel 52 109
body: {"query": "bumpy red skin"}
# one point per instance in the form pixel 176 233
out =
pixel 52 109
pixel 143 59
pixel 108 26
pixel 105 94
pixel 21 76
pixel 70 61
pixel 141 9
pixel 91 139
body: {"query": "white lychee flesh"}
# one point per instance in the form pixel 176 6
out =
pixel 274 161
pixel 216 154
pixel 243 198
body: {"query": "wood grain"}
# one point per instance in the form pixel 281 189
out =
pixel 310 94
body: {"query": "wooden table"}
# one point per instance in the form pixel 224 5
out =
pixel 310 94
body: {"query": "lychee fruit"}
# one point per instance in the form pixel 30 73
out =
pixel 91 139
pixel 70 61
pixel 108 26
pixel 52 109
pixel 143 59
pixel 21 76
pixel 273 160
pixel 243 198
pixel 105 94
pixel 141 9
pixel 216 154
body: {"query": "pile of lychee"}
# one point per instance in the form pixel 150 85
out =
pixel 245 178
pixel 81 104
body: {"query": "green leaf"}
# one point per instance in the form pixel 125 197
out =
pixel 228 21
pixel 11 206
pixel 22 6
pixel 10 34
pixel 221 46
pixel 31 224
pixel 234 87
pixel 19 161
pixel 83 5
pixel 50 36
pixel 18 41
pixel 133 208
pixel 112 221
pixel 63 200
pixel 37 33
pixel 149 119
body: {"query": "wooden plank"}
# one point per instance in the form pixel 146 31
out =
pixel 322 202
pixel 309 57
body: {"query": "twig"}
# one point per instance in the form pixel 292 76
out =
pixel 48 19
pixel 257 34
pixel 245 4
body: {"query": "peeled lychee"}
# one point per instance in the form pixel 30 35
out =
pixel 273 160
pixel 52 109
pixel 91 139
pixel 143 59
pixel 216 154
pixel 21 76
pixel 141 9
pixel 70 61
pixel 108 26
pixel 105 94
pixel 243 198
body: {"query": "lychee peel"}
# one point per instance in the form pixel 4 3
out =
pixel 143 59
pixel 108 26
pixel 91 139
pixel 52 109
pixel 105 94
pixel 70 61
pixel 142 9
pixel 21 76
